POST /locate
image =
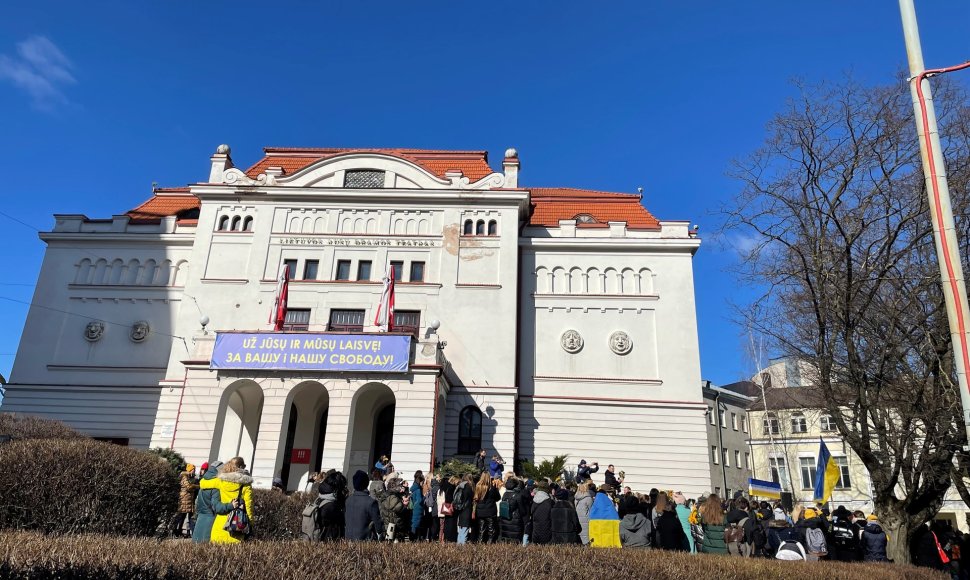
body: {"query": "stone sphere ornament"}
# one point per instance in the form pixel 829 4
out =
pixel 571 341
pixel 620 342
pixel 223 149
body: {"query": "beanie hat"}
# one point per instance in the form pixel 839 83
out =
pixel 562 494
pixel 360 481
pixel 511 484
pixel 325 488
pixel 872 517
pixel 189 467
pixel 204 467
pixel 582 462
pixel 809 513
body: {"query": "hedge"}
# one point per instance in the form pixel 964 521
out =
pixel 31 555
pixel 278 516
pixel 32 427
pixel 63 486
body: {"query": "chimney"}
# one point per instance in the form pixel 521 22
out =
pixel 511 167
pixel 221 161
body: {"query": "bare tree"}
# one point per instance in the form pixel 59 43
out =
pixel 836 201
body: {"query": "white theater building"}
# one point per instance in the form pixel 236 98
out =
pixel 532 322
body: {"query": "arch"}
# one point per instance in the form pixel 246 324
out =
pixel 100 269
pixel 469 228
pixel 223 223
pixel 412 227
pixel 480 228
pixel 84 269
pixel 559 283
pixel 611 282
pixel 345 225
pixel 645 280
pixel 294 225
pixel 181 273
pixel 359 225
pixel 424 226
pixel 320 225
pixel 398 226
pixel 117 271
pixel 131 275
pixel 594 281
pixel 248 224
pixel 236 223
pixel 147 274
pixel 371 226
pixel 469 430
pixel 543 281
pixel 164 274
pixel 628 281
pixel 304 427
pixel 371 429
pixel 237 423
pixel 576 283
pixel 307 225
pixel 492 228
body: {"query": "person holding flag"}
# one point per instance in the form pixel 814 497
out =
pixel 384 320
pixel 827 474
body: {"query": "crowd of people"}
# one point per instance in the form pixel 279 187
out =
pixel 488 505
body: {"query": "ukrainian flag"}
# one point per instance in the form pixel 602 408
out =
pixel 604 523
pixel 826 473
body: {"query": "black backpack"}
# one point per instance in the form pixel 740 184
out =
pixel 509 506
pixel 460 500
pixel 758 538
pixel 842 535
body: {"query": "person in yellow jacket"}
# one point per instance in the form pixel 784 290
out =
pixel 233 482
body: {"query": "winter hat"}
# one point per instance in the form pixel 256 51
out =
pixel 360 481
pixel 872 517
pixel 204 467
pixel 562 494
pixel 809 513
pixel 779 514
pixel 511 484
pixel 325 488
pixel 582 462
pixel 189 467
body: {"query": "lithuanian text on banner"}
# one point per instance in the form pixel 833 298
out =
pixel 385 353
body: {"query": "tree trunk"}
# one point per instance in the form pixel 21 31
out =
pixel 895 522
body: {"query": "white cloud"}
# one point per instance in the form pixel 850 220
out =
pixel 39 69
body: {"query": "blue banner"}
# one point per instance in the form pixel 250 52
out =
pixel 383 353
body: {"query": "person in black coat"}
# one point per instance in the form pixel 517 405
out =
pixel 541 531
pixel 670 530
pixel 511 528
pixel 583 471
pixel 610 478
pixel 464 495
pixel 448 487
pixel 363 516
pixel 924 548
pixel 486 509
pixel 564 520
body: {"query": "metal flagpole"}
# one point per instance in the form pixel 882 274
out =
pixel 944 232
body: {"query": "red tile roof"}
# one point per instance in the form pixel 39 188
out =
pixel 551 204
pixel 473 164
pixel 167 201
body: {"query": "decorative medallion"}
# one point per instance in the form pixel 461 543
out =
pixel 620 342
pixel 94 331
pixel 571 341
pixel 139 331
pixel 428 349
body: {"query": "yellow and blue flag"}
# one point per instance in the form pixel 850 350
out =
pixel 604 523
pixel 826 473
pixel 761 488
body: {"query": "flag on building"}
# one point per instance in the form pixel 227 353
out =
pixel 604 523
pixel 827 473
pixel 278 316
pixel 384 320
pixel 762 488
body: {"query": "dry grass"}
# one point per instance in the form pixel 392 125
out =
pixel 33 555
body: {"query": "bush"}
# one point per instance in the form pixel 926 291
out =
pixel 34 556
pixel 552 469
pixel 62 486
pixel 457 467
pixel 277 516
pixel 32 427
pixel 172 457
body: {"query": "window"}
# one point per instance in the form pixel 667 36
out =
pixel 343 270
pixel 492 228
pixel 398 270
pixel 291 269
pixel 720 418
pixel 737 459
pixel 346 320
pixel 480 228
pixel 469 430
pixel 766 380
pixel 734 421
pixel 364 179
pixel 798 423
pixel 469 228
pixel 747 460
pixel 717 491
pixel 310 268
pixel 844 481
pixel 728 493
pixel 417 272
pixel 363 270
pixel 827 423
pixel 236 224
pixel 714 455
pixel 808 468
pixel 744 424
pixel 771 424
pixel 584 218
pixel 297 319
pixel 726 457
pixel 248 224
pixel 779 471
pixel 223 223
pixel 407 321
pixel 710 415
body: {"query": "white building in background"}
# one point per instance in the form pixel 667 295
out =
pixel 565 320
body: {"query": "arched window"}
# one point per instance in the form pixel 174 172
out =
pixel 469 228
pixel 480 228
pixel 492 228
pixel 469 430
pixel 798 423
pixel 236 222
pixel 223 223
pixel 584 218
pixel 248 224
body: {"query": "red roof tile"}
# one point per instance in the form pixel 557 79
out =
pixel 551 204
pixel 167 201
pixel 473 164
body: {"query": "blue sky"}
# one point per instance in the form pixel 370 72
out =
pixel 100 99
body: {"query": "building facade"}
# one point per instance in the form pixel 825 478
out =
pixel 727 437
pixel 534 321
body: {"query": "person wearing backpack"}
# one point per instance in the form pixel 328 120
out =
pixel 511 512
pixel 784 541
pixel 584 503
pixel 844 544
pixel 208 505
pixel 734 534
pixel 393 510
pixel 811 527
pixel 233 483
pixel 463 505
pixel 322 517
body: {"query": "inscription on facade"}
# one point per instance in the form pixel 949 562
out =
pixel 357 242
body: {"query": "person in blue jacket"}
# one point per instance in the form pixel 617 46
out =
pixel 496 467
pixel 417 504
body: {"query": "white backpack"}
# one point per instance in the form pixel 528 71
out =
pixel 790 550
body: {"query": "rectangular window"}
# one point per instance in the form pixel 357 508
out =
pixel 798 423
pixel 398 270
pixel 310 268
pixel 297 319
pixel 771 425
pixel 364 179
pixel 807 465
pixel 346 320
pixel 744 424
pixel 717 490
pixel 844 482
pixel 363 270
pixel 827 423
pixel 417 272
pixel 715 455
pixel 407 321
pixel 343 270
pixel 734 421
pixel 724 454
pixel 747 460
pixel 710 415
pixel 720 418
pixel 291 264
pixel 737 459
pixel 779 471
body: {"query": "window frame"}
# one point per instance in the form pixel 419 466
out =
pixel 343 326
pixel 291 273
pixel 845 477
pixel 778 471
pixel 468 229
pixel 811 465
pixel 468 441
pixel 412 265
pixel 726 457
pixel 722 418
pixel 370 270
pixel 771 424
pixel 734 421
pixel 345 276
pixel 290 324
pixel 306 269
pixel 400 326
pixel 799 423
pixel 737 458
pixel 715 455
pixel 826 423
pixel 398 266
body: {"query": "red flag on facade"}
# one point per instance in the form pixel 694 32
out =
pixel 278 316
pixel 384 320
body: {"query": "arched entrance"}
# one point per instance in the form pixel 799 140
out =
pixel 305 430
pixel 371 427
pixel 237 424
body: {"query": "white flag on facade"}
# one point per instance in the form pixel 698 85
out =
pixel 384 320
